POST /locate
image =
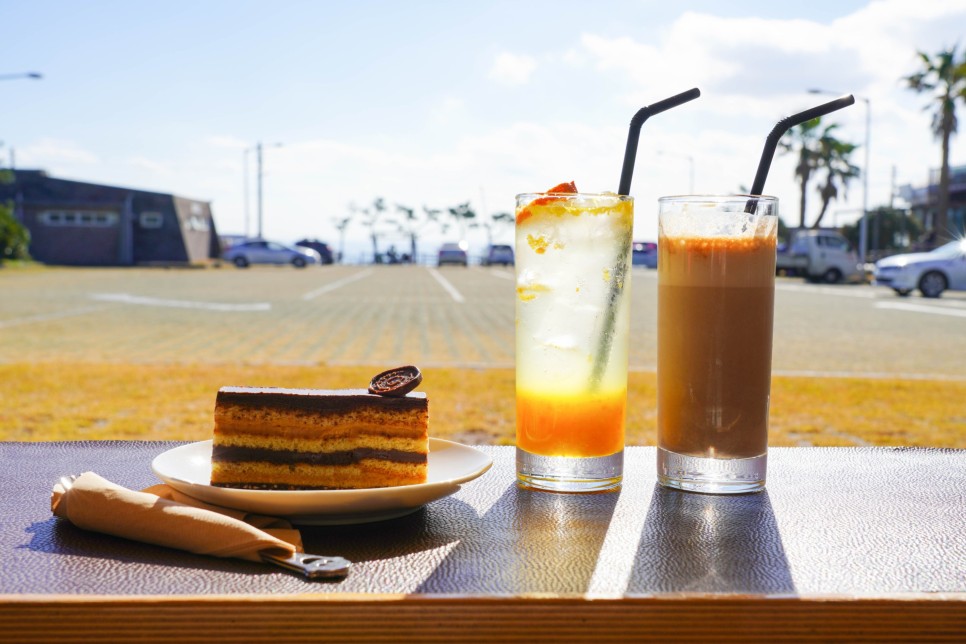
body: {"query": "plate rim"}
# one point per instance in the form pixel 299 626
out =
pixel 265 495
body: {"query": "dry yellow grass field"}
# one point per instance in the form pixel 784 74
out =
pixel 86 401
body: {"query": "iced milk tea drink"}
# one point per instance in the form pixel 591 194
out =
pixel 716 285
pixel 572 316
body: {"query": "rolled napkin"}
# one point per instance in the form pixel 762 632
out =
pixel 162 516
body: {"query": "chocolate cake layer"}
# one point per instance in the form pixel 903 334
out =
pixel 231 454
pixel 279 438
pixel 337 402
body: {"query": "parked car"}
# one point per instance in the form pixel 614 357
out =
pixel 260 251
pixel 820 256
pixel 325 253
pixel 644 254
pixel 932 272
pixel 452 253
pixel 498 254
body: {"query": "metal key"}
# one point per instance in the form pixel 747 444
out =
pixel 312 566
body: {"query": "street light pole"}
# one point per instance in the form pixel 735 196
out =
pixel 245 190
pixel 258 160
pixel 864 220
pixel 690 160
pixel 258 156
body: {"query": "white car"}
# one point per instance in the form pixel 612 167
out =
pixel 259 251
pixel 932 272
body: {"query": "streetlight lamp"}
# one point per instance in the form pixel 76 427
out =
pixel 257 148
pixel 864 220
pixel 690 160
pixel 34 75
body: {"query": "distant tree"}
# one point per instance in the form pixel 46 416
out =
pixel 342 225
pixel 944 77
pixel 462 215
pixel 370 219
pixel 497 220
pixel 782 227
pixel 14 237
pixel 413 224
pixel 818 149
pixel 892 229
pixel 833 157
pixel 803 141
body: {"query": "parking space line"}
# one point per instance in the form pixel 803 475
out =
pixel 127 298
pixel 921 308
pixel 449 288
pixel 84 310
pixel 331 286
pixel 507 275
pixel 846 291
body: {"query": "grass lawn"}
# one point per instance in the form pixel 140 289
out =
pixel 88 401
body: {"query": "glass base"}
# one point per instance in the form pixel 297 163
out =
pixel 570 474
pixel 711 475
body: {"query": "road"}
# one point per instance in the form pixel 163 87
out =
pixel 454 316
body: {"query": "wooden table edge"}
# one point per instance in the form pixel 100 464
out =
pixel 919 617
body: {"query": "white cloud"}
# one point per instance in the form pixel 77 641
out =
pixel 223 141
pixel 151 166
pixel 448 109
pixel 55 153
pixel 512 69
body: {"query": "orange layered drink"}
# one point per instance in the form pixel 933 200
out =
pixel 573 316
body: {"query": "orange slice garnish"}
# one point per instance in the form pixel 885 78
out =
pixel 569 188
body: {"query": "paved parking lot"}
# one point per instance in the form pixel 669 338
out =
pixel 455 316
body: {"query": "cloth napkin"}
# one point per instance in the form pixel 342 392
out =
pixel 163 516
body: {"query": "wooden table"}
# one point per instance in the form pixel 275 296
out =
pixel 865 544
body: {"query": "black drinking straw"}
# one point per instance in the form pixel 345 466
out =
pixel 634 134
pixel 777 132
pixel 617 280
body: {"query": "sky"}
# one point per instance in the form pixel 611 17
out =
pixel 430 104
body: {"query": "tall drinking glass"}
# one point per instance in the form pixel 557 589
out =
pixel 573 257
pixel 716 291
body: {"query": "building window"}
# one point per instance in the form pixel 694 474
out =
pixel 86 218
pixel 151 219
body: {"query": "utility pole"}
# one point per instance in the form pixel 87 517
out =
pixel 258 155
pixel 245 191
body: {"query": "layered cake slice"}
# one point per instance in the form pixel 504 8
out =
pixel 274 438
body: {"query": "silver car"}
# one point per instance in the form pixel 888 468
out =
pixel 932 272
pixel 260 251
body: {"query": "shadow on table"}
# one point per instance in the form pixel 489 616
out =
pixel 424 530
pixel 399 537
pixel 528 542
pixel 62 538
pixel 708 543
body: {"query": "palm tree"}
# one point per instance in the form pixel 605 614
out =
pixel 944 77
pixel 462 214
pixel 370 220
pixel 803 140
pixel 342 225
pixel 411 226
pixel 497 219
pixel 833 157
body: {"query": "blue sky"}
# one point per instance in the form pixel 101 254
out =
pixel 437 103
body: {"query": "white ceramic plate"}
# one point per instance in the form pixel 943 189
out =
pixel 188 469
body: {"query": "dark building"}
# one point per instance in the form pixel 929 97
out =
pixel 86 224
pixel 923 200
